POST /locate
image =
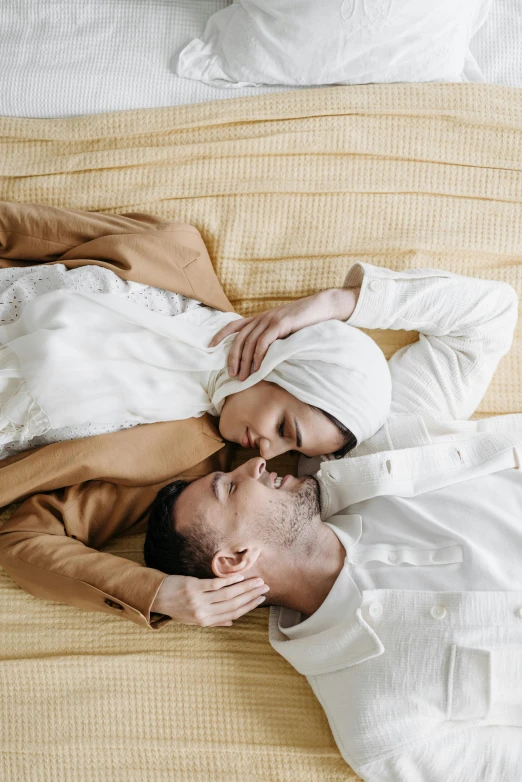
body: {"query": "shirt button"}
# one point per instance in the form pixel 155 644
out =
pixel 375 286
pixel 375 610
pixel 393 557
pixel 438 612
pixel 518 612
pixel 332 477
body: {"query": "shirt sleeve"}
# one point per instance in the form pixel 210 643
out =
pixel 465 326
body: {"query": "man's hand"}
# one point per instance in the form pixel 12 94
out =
pixel 256 334
pixel 208 602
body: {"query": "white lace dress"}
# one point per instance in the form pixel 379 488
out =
pixel 21 285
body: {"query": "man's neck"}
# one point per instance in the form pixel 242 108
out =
pixel 313 572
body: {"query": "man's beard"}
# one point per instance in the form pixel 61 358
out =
pixel 293 514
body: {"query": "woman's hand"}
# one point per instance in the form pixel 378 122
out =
pixel 256 334
pixel 208 602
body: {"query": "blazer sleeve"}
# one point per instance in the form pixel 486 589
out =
pixel 465 326
pixel 50 548
pixel 51 544
pixel 139 247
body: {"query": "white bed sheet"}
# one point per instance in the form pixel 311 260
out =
pixel 61 58
pixel 497 46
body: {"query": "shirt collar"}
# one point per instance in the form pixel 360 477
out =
pixel 336 635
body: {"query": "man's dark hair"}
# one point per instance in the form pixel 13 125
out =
pixel 349 439
pixel 188 554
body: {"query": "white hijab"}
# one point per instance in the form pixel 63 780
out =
pixel 100 358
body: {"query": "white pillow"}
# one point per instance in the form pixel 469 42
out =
pixel 311 42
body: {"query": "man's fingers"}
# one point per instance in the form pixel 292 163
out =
pixel 247 589
pixel 249 346
pixel 236 349
pixel 230 328
pixel 230 616
pixel 263 343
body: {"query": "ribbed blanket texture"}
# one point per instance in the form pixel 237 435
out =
pixel 287 190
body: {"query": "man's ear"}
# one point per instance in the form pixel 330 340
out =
pixel 230 561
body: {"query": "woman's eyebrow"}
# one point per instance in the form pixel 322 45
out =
pixel 298 438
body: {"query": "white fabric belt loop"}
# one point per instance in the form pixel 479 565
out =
pixel 393 556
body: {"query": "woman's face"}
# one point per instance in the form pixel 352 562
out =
pixel 269 418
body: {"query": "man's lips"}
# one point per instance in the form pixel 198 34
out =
pixel 268 479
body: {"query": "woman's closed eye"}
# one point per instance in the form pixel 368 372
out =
pixel 281 429
pixel 231 487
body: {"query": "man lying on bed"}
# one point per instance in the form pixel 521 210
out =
pixel 397 572
pixel 50 546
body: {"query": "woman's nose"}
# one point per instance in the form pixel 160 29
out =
pixel 268 450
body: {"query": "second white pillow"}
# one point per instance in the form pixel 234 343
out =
pixel 312 42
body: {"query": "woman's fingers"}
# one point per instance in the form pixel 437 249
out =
pixel 230 328
pixel 227 599
pixel 227 617
pixel 216 610
pixel 211 584
pixel 252 587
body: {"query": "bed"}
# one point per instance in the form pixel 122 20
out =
pixel 272 182
pixel 60 58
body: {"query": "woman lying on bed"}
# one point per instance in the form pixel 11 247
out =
pixel 296 378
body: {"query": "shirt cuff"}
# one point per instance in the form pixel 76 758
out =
pixel 375 304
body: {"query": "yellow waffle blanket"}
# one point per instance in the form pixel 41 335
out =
pixel 287 190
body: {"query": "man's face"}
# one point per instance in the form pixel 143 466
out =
pixel 246 506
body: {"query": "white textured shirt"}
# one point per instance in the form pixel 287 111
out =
pixel 416 653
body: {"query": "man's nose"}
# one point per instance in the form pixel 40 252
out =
pixel 254 468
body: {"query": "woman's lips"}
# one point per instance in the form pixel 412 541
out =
pixel 247 441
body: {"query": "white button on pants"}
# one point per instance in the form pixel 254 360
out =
pixel 518 612
pixel 438 612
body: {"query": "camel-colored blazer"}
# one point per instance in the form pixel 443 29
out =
pixel 86 491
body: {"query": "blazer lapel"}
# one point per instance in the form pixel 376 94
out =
pixel 175 260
